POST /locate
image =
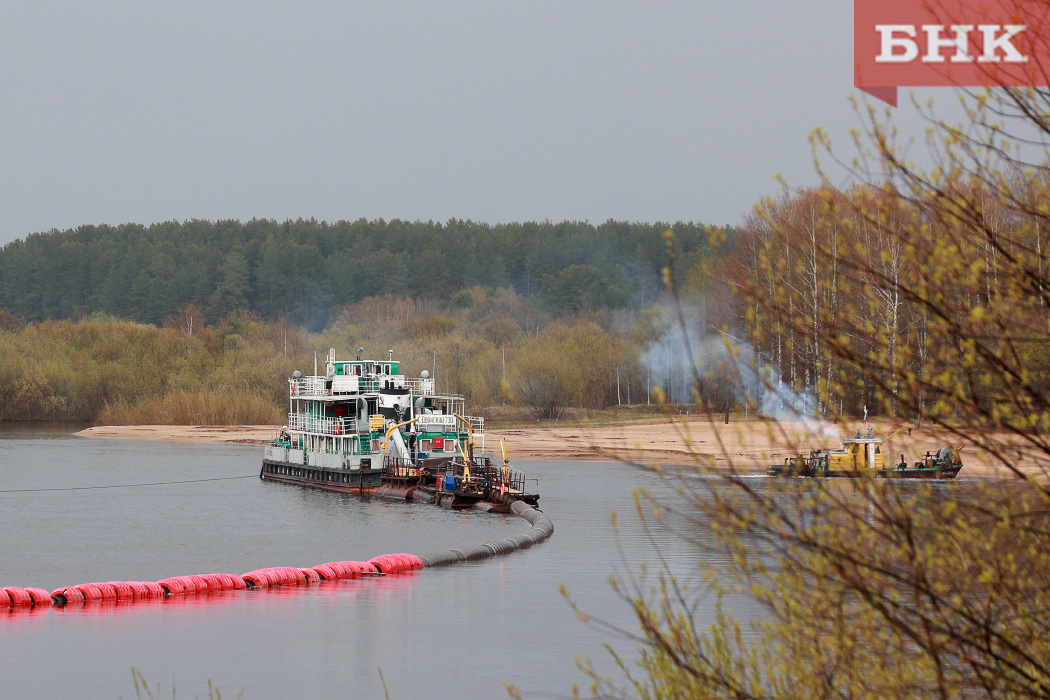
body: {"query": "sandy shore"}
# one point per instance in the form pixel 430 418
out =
pixel 743 445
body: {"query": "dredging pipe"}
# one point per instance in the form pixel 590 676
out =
pixel 124 592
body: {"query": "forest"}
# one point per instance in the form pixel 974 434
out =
pixel 307 270
pixel 99 319
pixel 199 321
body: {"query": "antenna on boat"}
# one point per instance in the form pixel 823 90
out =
pixel 315 363
pixel 359 351
pixel 391 358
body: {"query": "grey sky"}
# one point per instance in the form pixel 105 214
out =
pixel 496 111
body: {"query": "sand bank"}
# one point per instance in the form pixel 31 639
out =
pixel 745 445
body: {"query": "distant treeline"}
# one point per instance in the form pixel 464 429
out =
pixel 491 346
pixel 307 269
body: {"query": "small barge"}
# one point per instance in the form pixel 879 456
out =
pixel 365 428
pixel 861 456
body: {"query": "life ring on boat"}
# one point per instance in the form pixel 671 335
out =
pixel 339 428
pixel 291 389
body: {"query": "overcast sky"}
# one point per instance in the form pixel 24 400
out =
pixel 143 111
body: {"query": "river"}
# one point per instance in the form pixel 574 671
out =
pixel 452 632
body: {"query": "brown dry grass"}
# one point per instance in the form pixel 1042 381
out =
pixel 187 407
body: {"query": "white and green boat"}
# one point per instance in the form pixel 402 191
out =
pixel 363 427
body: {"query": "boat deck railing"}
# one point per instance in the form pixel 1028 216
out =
pixel 484 471
pixel 420 386
pixel 325 426
pixel 401 468
pixel 312 387
pixel 307 386
pixel 426 387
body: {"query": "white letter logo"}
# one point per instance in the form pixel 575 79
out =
pixel 891 42
pixel 935 42
pixel 991 43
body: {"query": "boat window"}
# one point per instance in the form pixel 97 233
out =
pixel 386 369
pixel 357 370
pixel 425 445
pixel 450 445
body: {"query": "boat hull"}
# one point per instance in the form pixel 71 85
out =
pixel 358 481
pixel 909 473
pixel 376 483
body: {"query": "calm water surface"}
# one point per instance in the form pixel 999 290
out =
pixel 451 632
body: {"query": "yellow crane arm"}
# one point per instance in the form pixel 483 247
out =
pixel 470 430
pixel 462 449
pixel 888 437
pixel 391 429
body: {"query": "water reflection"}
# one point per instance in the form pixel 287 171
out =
pixel 505 614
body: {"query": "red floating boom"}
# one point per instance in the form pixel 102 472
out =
pixel 130 591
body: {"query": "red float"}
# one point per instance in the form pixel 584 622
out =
pixel 260 578
pixel 384 564
pixel 326 572
pixel 155 589
pixel 173 585
pixel 194 583
pixel 272 578
pixel 107 591
pixel 339 569
pixel 39 596
pixel 67 595
pixel 199 582
pixel 138 590
pixel 289 575
pixel 219 582
pixel 222 582
pixel 19 596
pixel 124 592
pixel 253 579
pixel 90 591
